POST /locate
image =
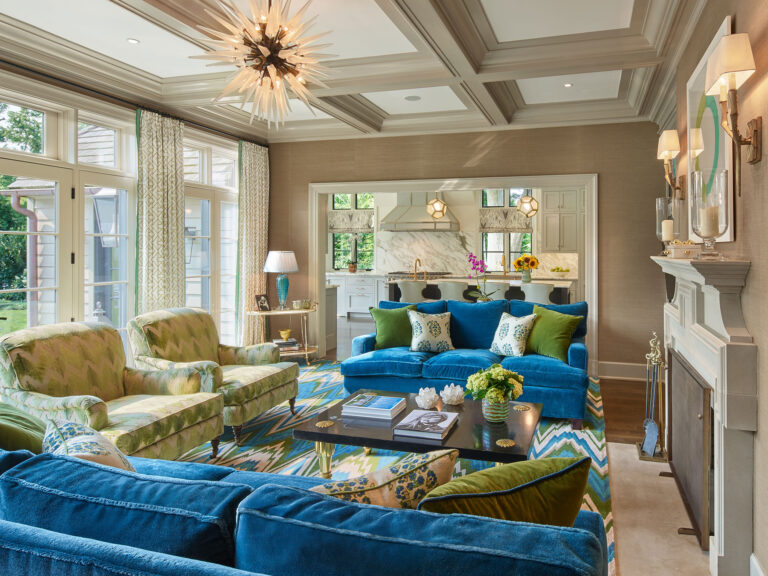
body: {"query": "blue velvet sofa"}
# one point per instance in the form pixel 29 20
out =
pixel 560 387
pixel 63 516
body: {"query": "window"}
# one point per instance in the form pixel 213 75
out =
pixel 227 270
pixel 364 201
pixel 495 244
pixel 516 193
pixel 348 247
pixel 493 197
pixel 106 255
pixel 342 201
pixel 223 173
pixel 192 165
pixel 493 250
pixel 350 201
pixel 21 128
pixel 197 239
pixel 96 145
pixel 519 244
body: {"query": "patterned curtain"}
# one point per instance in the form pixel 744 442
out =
pixel 252 236
pixel 160 228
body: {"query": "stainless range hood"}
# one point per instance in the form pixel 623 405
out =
pixel 410 215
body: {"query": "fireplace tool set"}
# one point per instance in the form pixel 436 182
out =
pixel 652 447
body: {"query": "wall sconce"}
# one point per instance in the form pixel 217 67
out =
pixel 696 144
pixel 728 68
pixel 668 149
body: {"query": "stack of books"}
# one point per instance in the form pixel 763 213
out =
pixel 289 345
pixel 373 406
pixel 427 424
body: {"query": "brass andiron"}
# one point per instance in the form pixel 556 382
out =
pixel 653 447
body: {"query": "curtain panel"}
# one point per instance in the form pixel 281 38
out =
pixel 160 269
pixel 252 236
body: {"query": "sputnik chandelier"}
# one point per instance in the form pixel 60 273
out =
pixel 272 54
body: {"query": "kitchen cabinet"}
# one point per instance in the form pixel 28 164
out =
pixel 356 294
pixel 560 200
pixel 561 217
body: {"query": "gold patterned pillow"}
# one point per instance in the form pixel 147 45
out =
pixel 400 486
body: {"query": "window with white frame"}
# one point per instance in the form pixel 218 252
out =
pixel 22 129
pixel 495 245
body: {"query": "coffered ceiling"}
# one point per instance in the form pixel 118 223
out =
pixel 401 66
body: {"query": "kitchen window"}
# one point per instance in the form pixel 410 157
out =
pixel 353 201
pixel 495 244
pixel 493 198
pixel 346 246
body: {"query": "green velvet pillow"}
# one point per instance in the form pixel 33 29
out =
pixel 551 333
pixel 547 491
pixel 393 328
pixel 19 430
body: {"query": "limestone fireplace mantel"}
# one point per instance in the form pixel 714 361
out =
pixel 704 324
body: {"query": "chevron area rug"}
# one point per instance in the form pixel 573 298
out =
pixel 268 445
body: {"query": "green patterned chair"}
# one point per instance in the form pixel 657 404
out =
pixel 77 372
pixel 251 378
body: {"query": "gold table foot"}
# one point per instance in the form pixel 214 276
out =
pixel 367 450
pixel 324 451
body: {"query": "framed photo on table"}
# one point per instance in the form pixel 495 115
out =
pixel 703 113
pixel 262 304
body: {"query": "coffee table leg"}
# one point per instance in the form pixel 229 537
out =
pixel 324 451
pixel 367 450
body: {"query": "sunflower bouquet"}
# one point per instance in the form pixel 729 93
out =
pixel 526 262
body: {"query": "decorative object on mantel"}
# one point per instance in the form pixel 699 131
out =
pixel 480 268
pixel 282 262
pixel 437 207
pixel 526 263
pixel 652 446
pixel 668 217
pixel 427 398
pixel 528 206
pixel 495 386
pixel 452 394
pixel 709 210
pixel 685 249
pixel 271 52
pixel 509 220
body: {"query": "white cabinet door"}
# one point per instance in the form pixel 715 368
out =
pixel 550 232
pixel 551 201
pixel 341 300
pixel 569 232
pixel 569 200
pixel 382 291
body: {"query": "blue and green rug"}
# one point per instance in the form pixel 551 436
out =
pixel 268 445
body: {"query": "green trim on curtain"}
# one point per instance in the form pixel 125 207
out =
pixel 136 254
pixel 238 330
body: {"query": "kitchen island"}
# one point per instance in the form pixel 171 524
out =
pixel 560 294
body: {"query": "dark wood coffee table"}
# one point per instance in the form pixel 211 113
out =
pixel 472 435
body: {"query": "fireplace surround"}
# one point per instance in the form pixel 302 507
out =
pixel 704 325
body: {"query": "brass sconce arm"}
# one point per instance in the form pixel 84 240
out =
pixel 752 140
pixel 675 185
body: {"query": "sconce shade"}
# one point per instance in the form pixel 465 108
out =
pixel 281 261
pixel 669 145
pixel 528 205
pixel 696 145
pixel 730 64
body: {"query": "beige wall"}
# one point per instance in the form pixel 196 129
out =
pixel 750 212
pixel 631 290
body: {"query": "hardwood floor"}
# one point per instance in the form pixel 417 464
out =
pixel 624 408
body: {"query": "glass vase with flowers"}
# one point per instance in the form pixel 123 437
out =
pixel 525 263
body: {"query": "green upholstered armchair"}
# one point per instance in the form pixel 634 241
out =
pixel 251 378
pixel 77 372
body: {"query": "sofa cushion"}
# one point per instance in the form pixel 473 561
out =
pixel 81 441
pixel 242 383
pixel 334 537
pixel 19 430
pixel 138 421
pixel 258 479
pixel 194 519
pixel 523 308
pixel 392 326
pixel 545 371
pixel 434 307
pixel 398 361
pixel 474 323
pixel 401 485
pixel 10 459
pixel 459 364
pixel 175 469
pixel 551 333
pixel 544 491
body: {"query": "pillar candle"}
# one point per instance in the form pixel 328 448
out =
pixel 709 221
pixel 667 230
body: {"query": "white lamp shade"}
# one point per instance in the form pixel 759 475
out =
pixel 696 144
pixel 730 64
pixel 281 261
pixel 669 145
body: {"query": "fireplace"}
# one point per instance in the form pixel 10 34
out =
pixel 712 410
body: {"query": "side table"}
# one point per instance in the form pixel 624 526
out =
pixel 304 350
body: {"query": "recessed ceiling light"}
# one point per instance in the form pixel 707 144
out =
pixel 568 85
pixel 413 98
pixel 132 41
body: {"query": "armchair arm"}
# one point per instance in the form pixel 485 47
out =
pixel 210 372
pixel 363 344
pixel 577 354
pixel 186 380
pixel 88 410
pixel 249 355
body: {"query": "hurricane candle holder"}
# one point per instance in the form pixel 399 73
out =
pixel 709 210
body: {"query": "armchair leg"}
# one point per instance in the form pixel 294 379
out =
pixel 292 404
pixel 215 447
pixel 236 430
pixel 577 423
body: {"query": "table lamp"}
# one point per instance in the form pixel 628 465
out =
pixel 281 262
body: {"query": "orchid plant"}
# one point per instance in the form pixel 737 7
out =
pixel 478 273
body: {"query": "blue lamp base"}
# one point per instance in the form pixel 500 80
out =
pixel 282 289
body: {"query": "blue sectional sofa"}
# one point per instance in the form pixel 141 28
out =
pixel 560 387
pixel 63 516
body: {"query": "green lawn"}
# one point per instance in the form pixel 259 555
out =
pixel 16 312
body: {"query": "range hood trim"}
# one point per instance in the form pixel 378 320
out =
pixel 410 215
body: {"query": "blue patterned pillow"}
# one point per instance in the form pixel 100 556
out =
pixel 71 439
pixel 512 335
pixel 431 332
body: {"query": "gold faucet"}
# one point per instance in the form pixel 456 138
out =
pixel 504 264
pixel 416 264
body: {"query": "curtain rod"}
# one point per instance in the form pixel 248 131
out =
pixel 115 99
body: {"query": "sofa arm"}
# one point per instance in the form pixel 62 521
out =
pixel 186 380
pixel 88 410
pixel 363 344
pixel 577 354
pixel 210 373
pixel 593 522
pixel 249 355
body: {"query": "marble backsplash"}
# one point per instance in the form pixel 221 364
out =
pixel 438 251
pixel 549 260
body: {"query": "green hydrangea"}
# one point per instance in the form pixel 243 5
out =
pixel 495 383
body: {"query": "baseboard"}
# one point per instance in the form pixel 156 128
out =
pixel 754 567
pixel 621 371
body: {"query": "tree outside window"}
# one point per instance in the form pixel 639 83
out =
pixel 346 245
